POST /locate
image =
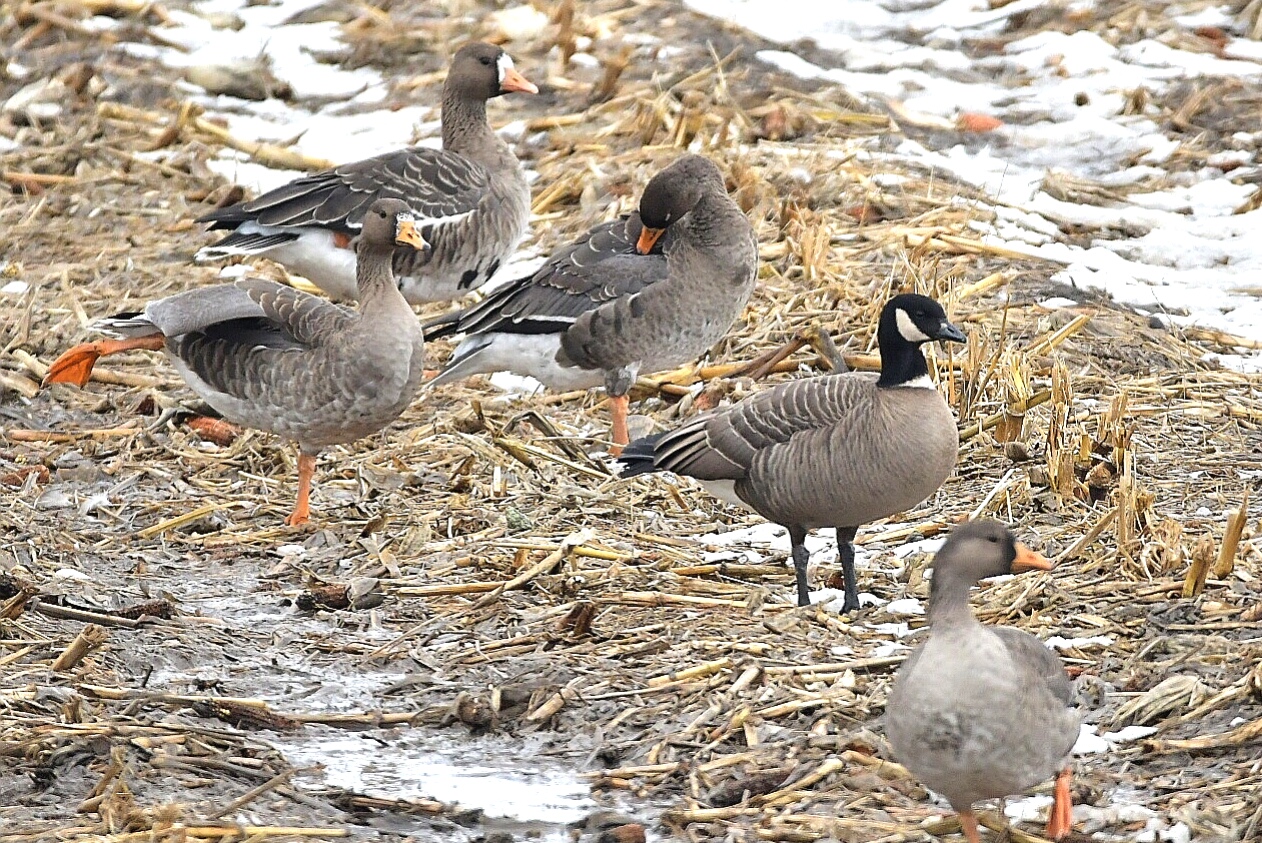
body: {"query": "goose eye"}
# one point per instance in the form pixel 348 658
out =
pixel 486 61
pixel 993 539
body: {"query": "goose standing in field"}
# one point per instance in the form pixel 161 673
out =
pixel 274 358
pixel 982 712
pixel 643 294
pixel 470 199
pixel 837 450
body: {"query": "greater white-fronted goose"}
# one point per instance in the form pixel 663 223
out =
pixel 982 712
pixel 838 450
pixel 643 294
pixel 274 358
pixel 470 199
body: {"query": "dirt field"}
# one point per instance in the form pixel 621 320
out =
pixel 175 663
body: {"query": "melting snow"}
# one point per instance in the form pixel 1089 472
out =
pixel 1185 251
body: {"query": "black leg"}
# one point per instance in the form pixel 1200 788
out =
pixel 797 536
pixel 845 549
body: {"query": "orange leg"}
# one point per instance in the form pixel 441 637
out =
pixel 302 509
pixel 618 405
pixel 75 366
pixel 968 824
pixel 1060 819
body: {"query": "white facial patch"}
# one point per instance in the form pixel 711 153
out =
pixel 399 221
pixel 908 328
pixel 505 64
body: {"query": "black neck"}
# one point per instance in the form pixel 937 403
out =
pixel 901 360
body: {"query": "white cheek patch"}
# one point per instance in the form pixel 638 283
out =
pixel 908 328
pixel 505 64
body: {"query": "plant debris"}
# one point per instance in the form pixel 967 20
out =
pixel 159 626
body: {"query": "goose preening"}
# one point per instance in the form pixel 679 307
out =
pixel 270 357
pixel 644 294
pixel 836 450
pixel 470 199
pixel 982 712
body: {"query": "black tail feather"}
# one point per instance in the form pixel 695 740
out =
pixel 229 217
pixel 442 326
pixel 640 457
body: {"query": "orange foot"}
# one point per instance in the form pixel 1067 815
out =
pixel 1060 819
pixel 301 515
pixel 75 366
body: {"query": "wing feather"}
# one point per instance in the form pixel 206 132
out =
pixel 599 267
pixel 439 186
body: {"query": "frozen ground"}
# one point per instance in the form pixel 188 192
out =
pixel 1166 239
pixel 1175 246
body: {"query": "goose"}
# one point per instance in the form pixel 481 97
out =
pixel 470 199
pixel 837 450
pixel 641 294
pixel 982 712
pixel 274 358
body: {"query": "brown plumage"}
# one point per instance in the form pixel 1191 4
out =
pixel 470 199
pixel 630 297
pixel 839 450
pixel 270 357
pixel 982 712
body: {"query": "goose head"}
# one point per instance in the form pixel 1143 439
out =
pixel 672 193
pixel 482 71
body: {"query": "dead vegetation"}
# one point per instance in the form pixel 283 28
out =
pixel 480 546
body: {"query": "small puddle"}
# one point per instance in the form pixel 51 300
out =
pixel 516 789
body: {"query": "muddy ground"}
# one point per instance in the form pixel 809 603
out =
pixel 303 682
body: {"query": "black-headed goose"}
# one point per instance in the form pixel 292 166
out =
pixel 982 712
pixel 470 199
pixel 837 450
pixel 270 357
pixel 632 296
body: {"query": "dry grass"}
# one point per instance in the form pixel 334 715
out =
pixel 550 596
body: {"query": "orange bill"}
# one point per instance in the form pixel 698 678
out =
pixel 1029 560
pixel 648 238
pixel 514 81
pixel 407 234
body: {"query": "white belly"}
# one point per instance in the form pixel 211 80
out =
pixel 533 355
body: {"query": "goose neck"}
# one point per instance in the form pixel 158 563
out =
pixel 948 602
pixel 902 364
pixel 466 131
pixel 374 275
